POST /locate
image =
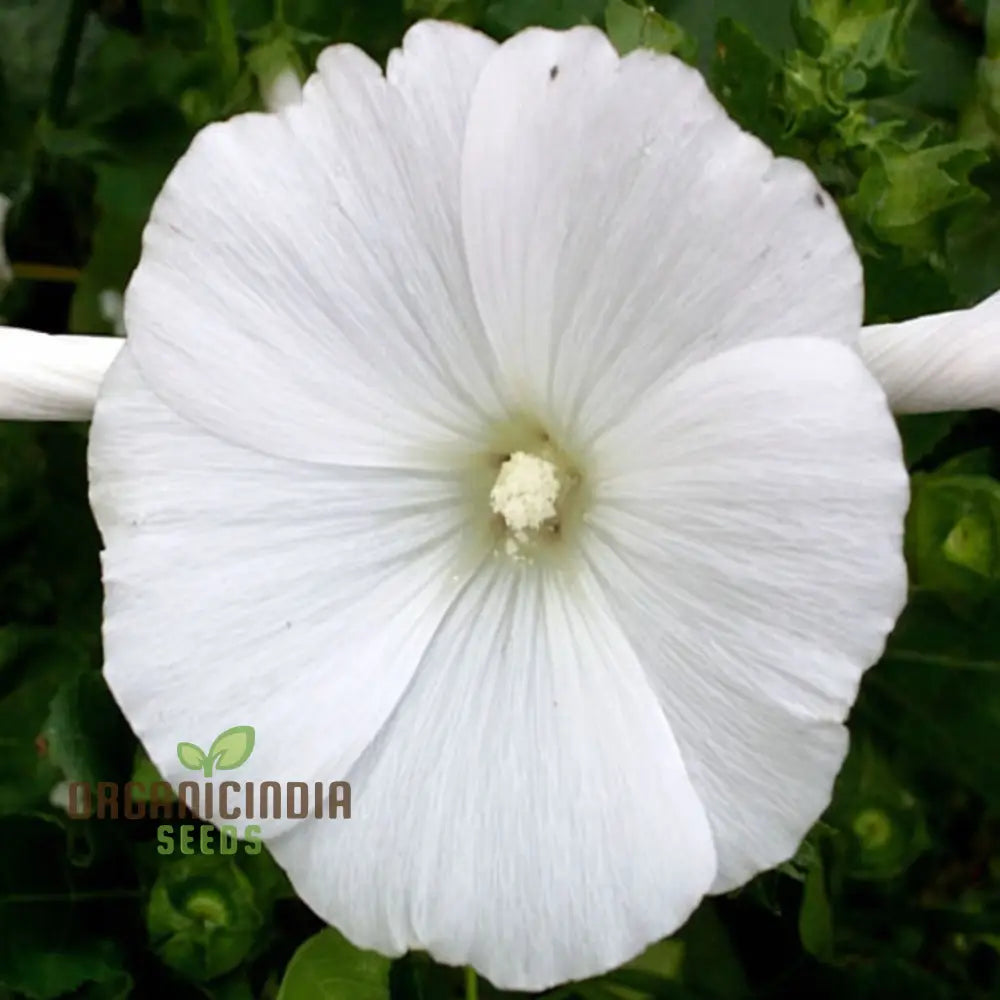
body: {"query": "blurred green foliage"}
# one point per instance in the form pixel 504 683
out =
pixel 896 106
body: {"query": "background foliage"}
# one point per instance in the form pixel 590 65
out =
pixel 896 106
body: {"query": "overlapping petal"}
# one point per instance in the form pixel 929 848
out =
pixel 526 809
pixel 247 590
pixel 304 271
pixel 619 224
pixel 748 532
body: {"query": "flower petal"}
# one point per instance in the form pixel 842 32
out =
pixel 948 361
pixel 247 590
pixel 620 225
pixel 48 377
pixel 748 533
pixel 302 288
pixel 525 810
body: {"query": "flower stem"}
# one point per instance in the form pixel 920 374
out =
pixel 471 984
pixel 225 38
pixel 65 67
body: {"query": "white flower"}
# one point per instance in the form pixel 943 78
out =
pixel 46 377
pixel 489 436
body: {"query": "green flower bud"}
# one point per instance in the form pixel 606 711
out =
pixel 202 918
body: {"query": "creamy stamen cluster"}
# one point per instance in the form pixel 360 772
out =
pixel 531 498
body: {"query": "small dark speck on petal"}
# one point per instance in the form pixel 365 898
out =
pixel 554 72
pixel 819 199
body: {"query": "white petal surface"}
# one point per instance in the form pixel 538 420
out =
pixel 748 533
pixel 304 272
pixel 619 224
pixel 247 590
pixel 51 377
pixel 525 810
pixel 948 361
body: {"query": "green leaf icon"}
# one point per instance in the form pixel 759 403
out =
pixel 232 748
pixel 229 750
pixel 191 756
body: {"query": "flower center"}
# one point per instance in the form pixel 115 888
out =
pixel 525 494
pixel 532 496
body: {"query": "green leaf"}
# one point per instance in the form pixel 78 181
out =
pixel 935 696
pixel 922 433
pixel 865 40
pixel 945 62
pixel 269 881
pixel 88 737
pixel 651 974
pixel 191 756
pixel 637 25
pixel 815 914
pixel 712 967
pixel 328 967
pixel 744 77
pixel 930 633
pixel 145 775
pixel 973 245
pixel 953 534
pixel 904 193
pixel 232 748
pixel 768 23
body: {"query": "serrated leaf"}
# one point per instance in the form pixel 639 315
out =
pixel 232 748
pixel 903 194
